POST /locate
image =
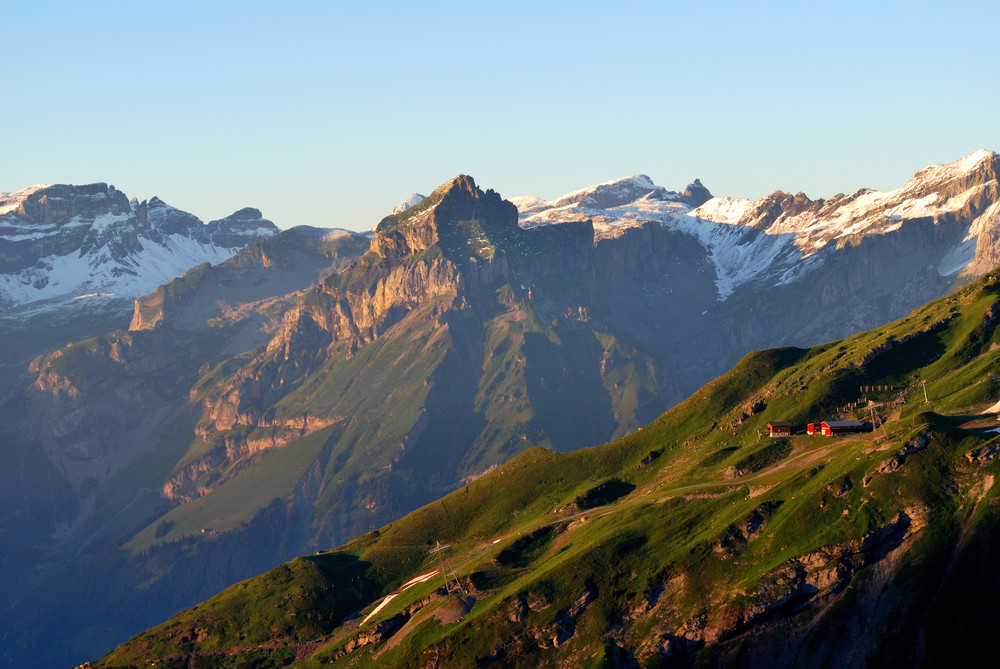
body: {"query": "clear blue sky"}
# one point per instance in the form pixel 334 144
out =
pixel 329 113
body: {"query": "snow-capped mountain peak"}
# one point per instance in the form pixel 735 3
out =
pixel 956 169
pixel 610 193
pixel 613 206
pixel 412 201
pixel 60 242
pixel 935 191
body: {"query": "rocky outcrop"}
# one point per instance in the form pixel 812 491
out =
pixel 736 537
pixel 795 586
pixel 450 609
pixel 696 194
pixel 200 477
pixel 893 463
pixel 984 455
pixel 765 212
pixel 377 634
pixel 562 629
pixel 553 635
pixel 58 204
pixel 148 312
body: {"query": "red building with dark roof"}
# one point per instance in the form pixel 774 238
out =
pixel 832 428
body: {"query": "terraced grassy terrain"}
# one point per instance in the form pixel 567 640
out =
pixel 696 541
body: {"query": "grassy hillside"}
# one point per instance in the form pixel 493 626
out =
pixel 698 540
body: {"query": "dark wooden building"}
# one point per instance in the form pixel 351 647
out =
pixel 779 429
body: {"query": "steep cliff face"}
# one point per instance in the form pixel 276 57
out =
pixel 420 258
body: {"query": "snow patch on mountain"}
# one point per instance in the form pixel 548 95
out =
pixel 101 223
pixel 958 258
pixel 72 275
pixel 529 204
pixel 739 254
pixel 723 209
pixel 337 233
pixel 11 201
pixel 411 201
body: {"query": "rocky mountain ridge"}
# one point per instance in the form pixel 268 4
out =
pixel 60 242
pixel 775 236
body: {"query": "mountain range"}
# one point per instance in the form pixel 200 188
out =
pixel 66 242
pixel 73 259
pixel 321 384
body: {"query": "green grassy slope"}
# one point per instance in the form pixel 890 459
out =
pixel 697 540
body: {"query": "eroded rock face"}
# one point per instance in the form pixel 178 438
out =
pixel 807 583
pixel 810 576
pixel 696 194
pixel 736 537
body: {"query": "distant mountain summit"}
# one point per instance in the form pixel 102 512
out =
pixel 963 190
pixel 617 194
pixel 411 201
pixel 59 243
